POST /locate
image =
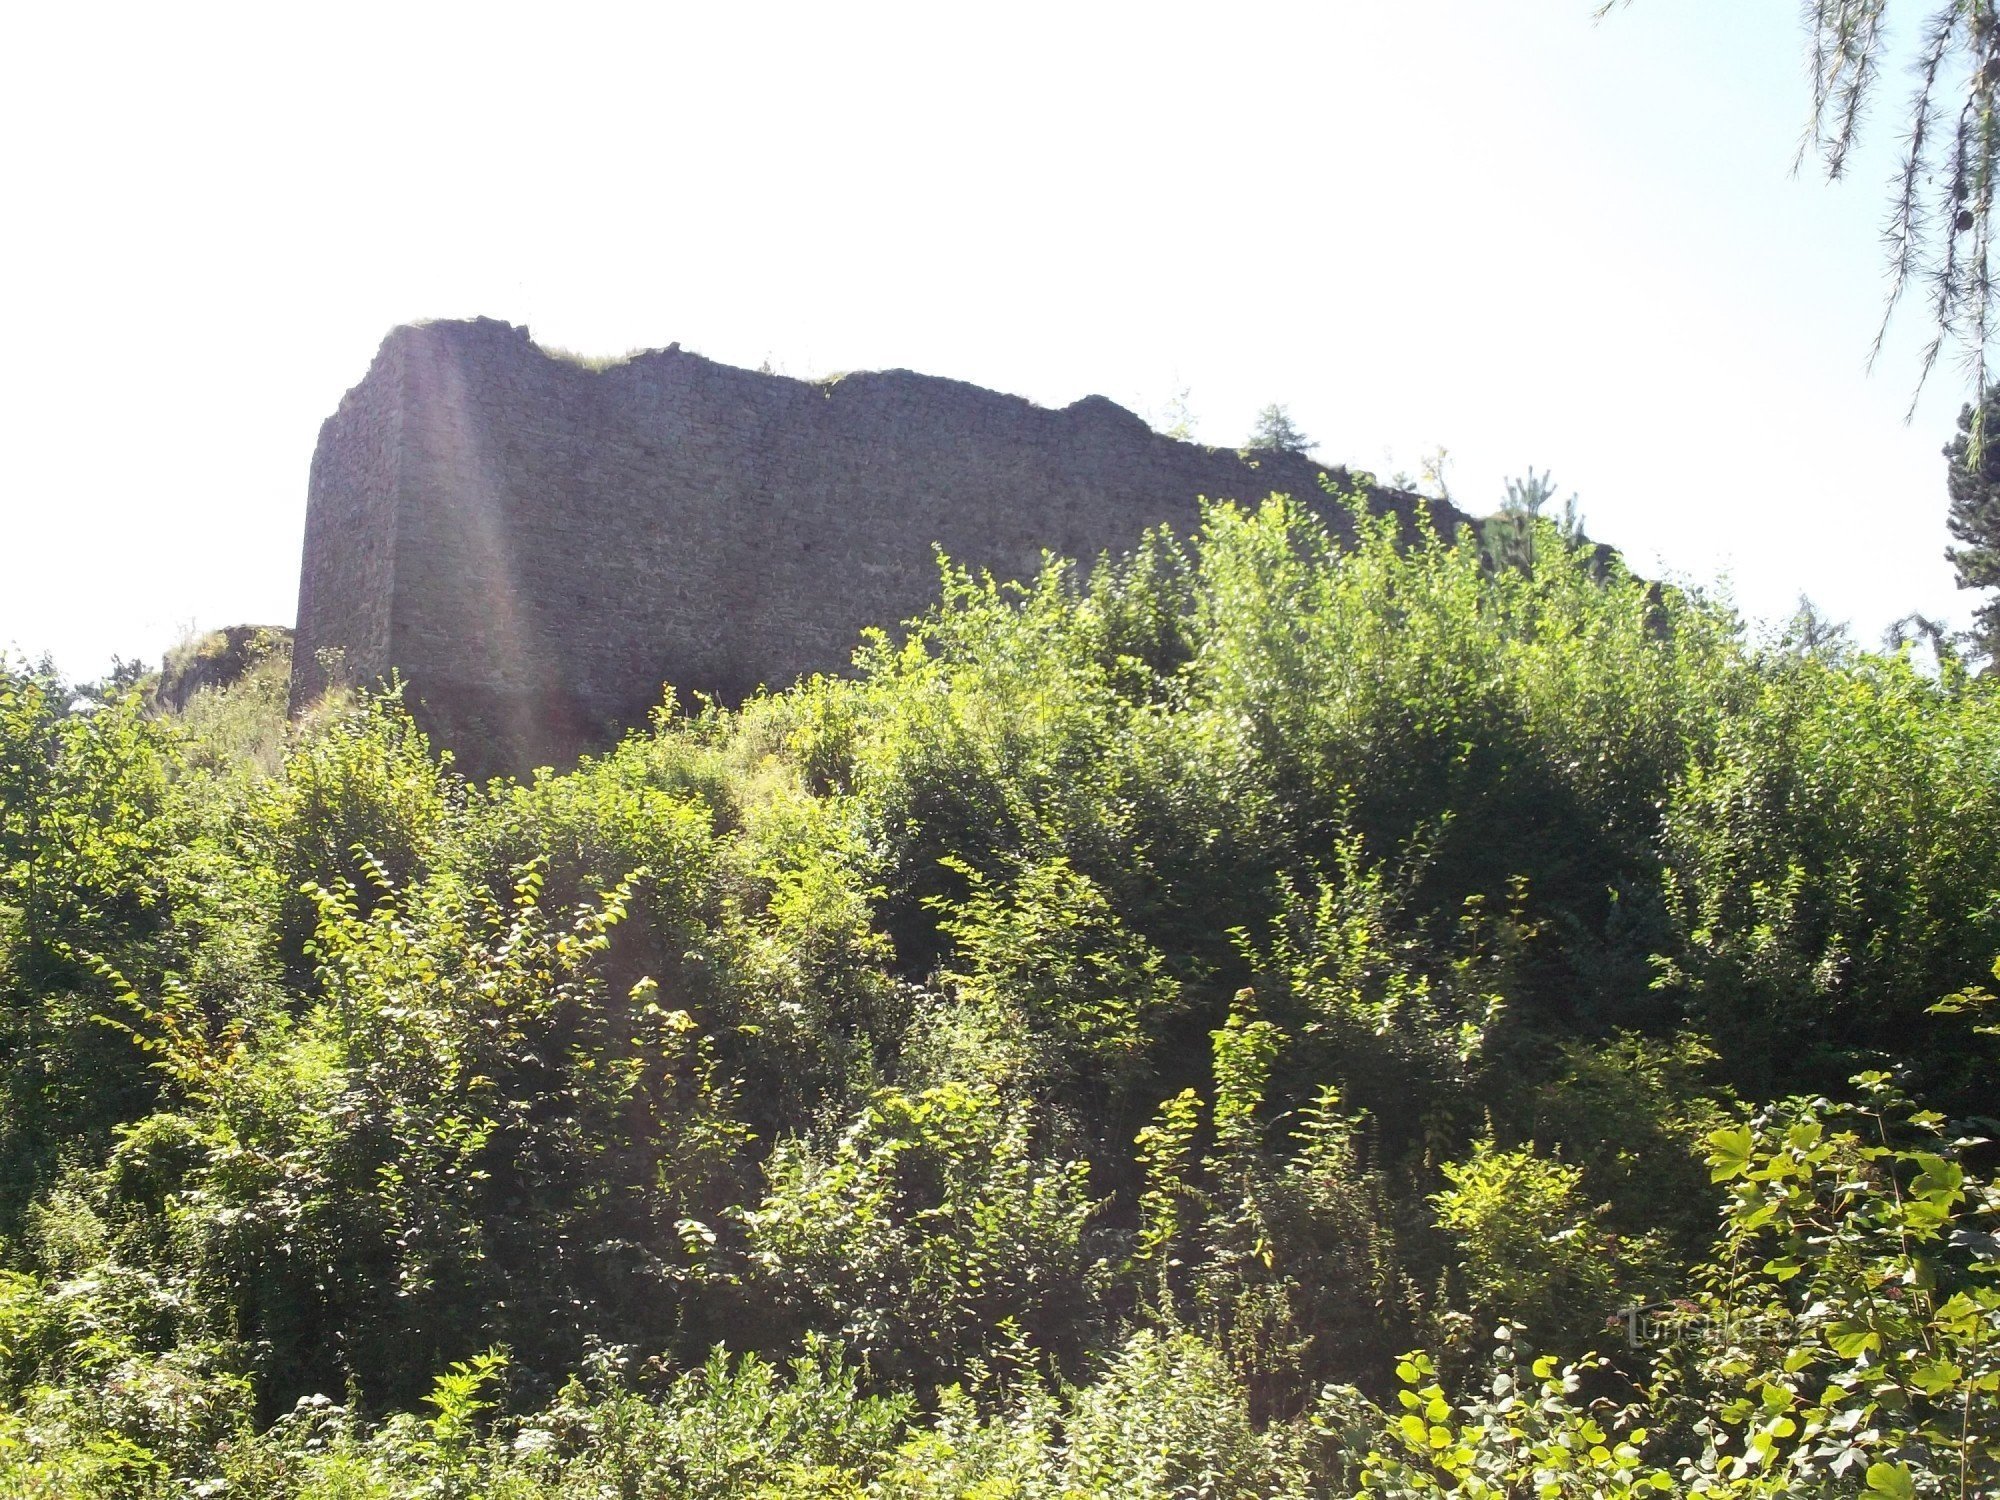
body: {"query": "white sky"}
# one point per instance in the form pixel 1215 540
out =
pixel 1501 229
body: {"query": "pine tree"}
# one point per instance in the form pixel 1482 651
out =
pixel 1974 520
pixel 1274 433
pixel 1509 535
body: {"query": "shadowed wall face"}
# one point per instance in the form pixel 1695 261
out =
pixel 537 546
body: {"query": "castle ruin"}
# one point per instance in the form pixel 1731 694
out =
pixel 536 545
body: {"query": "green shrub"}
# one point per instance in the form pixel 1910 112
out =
pixel 1196 982
pixel 930 1221
pixel 1535 1249
pixel 1831 870
pixel 1049 950
pixel 360 799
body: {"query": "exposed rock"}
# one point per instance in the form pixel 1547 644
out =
pixel 215 660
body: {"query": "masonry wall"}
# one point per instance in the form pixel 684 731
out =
pixel 347 577
pixel 537 546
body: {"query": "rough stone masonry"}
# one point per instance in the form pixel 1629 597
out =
pixel 536 546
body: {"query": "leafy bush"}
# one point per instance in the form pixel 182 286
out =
pixel 1844 1339
pixel 1536 1250
pixel 89 824
pixel 1070 1056
pixel 931 1220
pixel 1050 950
pixel 1832 870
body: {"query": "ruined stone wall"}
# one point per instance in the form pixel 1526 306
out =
pixel 347 577
pixel 537 546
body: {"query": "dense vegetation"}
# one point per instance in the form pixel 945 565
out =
pixel 1249 1022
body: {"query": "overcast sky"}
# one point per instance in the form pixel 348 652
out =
pixel 1508 231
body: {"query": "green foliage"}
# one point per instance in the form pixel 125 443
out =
pixel 1165 1419
pixel 1522 727
pixel 929 1221
pixel 1974 517
pixel 360 798
pixel 1287 1261
pixel 1071 1056
pixel 88 821
pixel 1634 1113
pixel 801 967
pixel 89 1405
pixel 85 820
pixel 1854 1290
pixel 1275 432
pixel 1378 1008
pixel 1844 1338
pixel 1510 538
pixel 1535 1250
pixel 1822 864
pixel 1527 1432
pixel 1050 948
pixel 238 724
pixel 1165 1150
pixel 464 1140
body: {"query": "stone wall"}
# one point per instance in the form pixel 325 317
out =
pixel 536 545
